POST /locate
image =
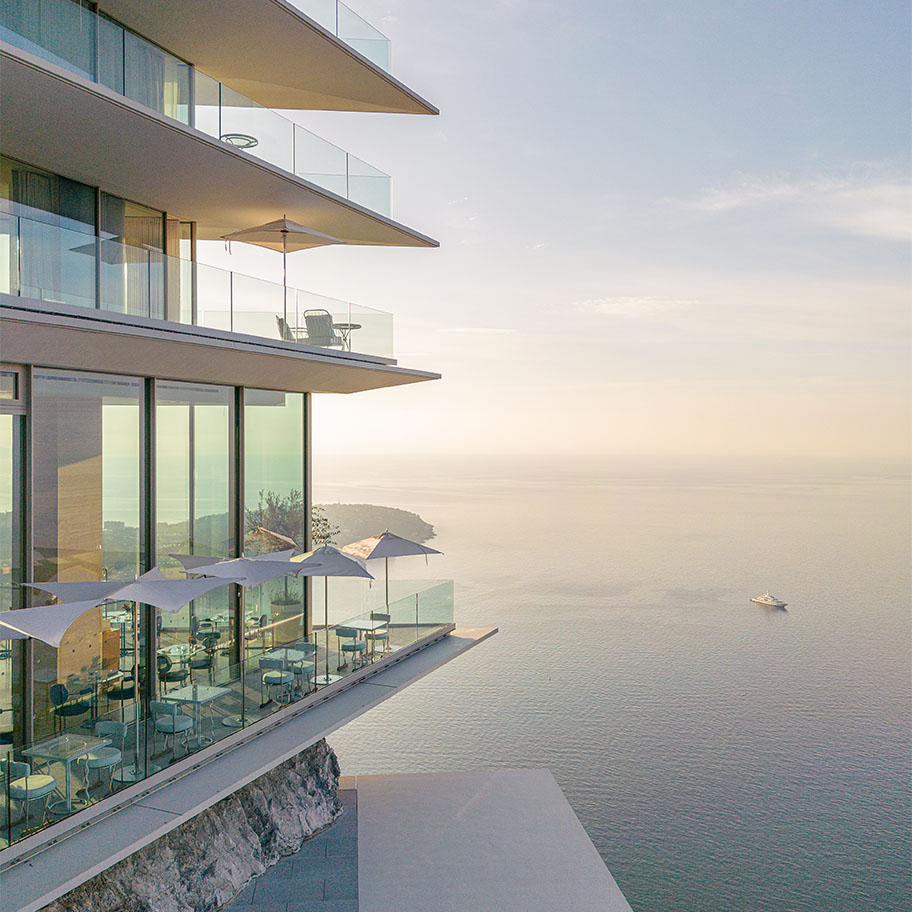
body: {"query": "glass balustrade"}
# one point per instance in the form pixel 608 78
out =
pixel 71 36
pixel 343 22
pixel 104 739
pixel 48 262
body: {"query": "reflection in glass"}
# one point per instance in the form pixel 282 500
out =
pixel 86 517
pixel 274 514
pixel 194 424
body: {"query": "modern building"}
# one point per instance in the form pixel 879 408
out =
pixel 152 405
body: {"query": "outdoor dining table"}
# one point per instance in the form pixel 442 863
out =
pixel 65 749
pixel 196 695
pixel 365 627
pixel 183 652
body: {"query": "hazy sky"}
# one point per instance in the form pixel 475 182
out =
pixel 666 227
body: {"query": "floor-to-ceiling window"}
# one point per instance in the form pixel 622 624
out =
pixel 12 651
pixel 86 497
pixel 274 505
pixel 195 503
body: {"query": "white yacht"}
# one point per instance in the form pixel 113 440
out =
pixel 769 601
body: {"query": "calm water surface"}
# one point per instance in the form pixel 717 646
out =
pixel 721 756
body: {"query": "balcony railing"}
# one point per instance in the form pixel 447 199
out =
pixel 215 699
pixel 48 262
pixel 98 49
pixel 349 27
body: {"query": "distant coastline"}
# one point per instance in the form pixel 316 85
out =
pixel 357 521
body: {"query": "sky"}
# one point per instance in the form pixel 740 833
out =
pixel 666 229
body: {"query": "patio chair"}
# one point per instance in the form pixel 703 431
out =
pixel 287 333
pixel 275 675
pixel 303 670
pixel 205 659
pixel 381 635
pixel 107 757
pixel 169 720
pixel 350 642
pixel 24 786
pixel 320 330
pixel 63 707
pixel 168 674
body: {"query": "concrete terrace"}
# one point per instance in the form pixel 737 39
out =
pixel 321 877
pixel 443 842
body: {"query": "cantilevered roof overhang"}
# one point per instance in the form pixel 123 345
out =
pixel 61 336
pixel 99 137
pixel 270 51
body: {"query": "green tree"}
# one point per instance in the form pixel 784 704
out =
pixel 285 515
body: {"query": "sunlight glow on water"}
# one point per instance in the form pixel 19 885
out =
pixel 721 756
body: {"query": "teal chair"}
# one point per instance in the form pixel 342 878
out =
pixel 379 637
pixel 276 675
pixel 170 721
pixel 106 757
pixel 350 643
pixel 24 786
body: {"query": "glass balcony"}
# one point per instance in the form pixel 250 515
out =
pixel 106 739
pixel 71 36
pixel 63 265
pixel 349 27
pixel 237 120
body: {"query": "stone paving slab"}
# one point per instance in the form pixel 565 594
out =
pixel 322 876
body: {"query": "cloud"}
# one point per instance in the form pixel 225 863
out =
pixel 647 306
pixel 871 206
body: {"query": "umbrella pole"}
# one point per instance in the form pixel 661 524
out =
pixel 386 568
pixel 285 276
pixel 326 623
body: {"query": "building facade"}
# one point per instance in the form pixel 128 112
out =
pixel 152 405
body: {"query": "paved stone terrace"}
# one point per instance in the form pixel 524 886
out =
pixel 321 877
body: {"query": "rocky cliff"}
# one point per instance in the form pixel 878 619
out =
pixel 202 864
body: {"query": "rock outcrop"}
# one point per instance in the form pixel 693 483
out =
pixel 206 861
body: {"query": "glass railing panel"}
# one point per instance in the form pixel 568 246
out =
pixel 213 297
pixel 247 125
pixel 359 34
pixel 331 323
pixel 155 78
pixel 54 264
pixel 259 306
pixel 111 55
pixel 132 279
pixel 58 31
pixel 349 27
pixel 206 104
pixel 368 186
pixel 320 162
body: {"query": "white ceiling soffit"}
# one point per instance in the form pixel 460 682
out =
pixel 101 138
pixel 92 340
pixel 270 51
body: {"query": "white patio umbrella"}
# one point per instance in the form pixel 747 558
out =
pixel 79 591
pixel 249 572
pixel 326 562
pixel 285 235
pixel 386 545
pixel 191 561
pixel 48 623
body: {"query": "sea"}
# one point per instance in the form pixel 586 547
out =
pixel 722 756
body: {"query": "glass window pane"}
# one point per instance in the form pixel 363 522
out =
pixel 194 428
pixel 86 514
pixel 274 501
